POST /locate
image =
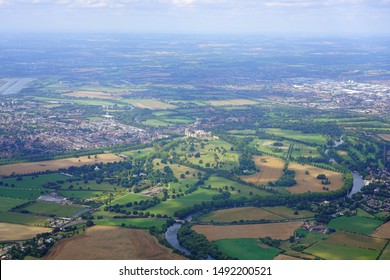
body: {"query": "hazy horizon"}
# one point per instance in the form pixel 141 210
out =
pixel 328 17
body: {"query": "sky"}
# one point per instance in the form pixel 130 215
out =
pixel 366 17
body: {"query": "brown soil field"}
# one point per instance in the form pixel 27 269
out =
pixel 356 240
pixel 93 94
pixel 19 232
pixel 342 153
pixel 244 213
pixel 232 102
pixel 149 104
pixel 383 231
pixel 385 137
pixel 111 243
pixel 286 257
pixel 274 230
pixel 271 169
pixel 52 165
pixel 306 183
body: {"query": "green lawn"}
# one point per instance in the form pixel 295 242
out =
pixel 47 208
pixel 171 205
pixel 7 203
pixel 297 135
pixel 355 224
pixel 24 219
pixel 247 249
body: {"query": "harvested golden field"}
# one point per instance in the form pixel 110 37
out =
pixel 274 230
pixel 93 94
pixel 52 165
pixel 271 169
pixel 383 231
pixel 309 182
pixel 385 137
pixel 286 257
pixel 232 102
pixel 111 243
pixel 10 232
pixel 241 213
pixel 149 104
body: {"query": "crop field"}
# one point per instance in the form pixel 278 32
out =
pixel 46 208
pixel 10 232
pixel 52 165
pixel 297 135
pixel 171 205
pixel 383 231
pixel 7 203
pixel 356 224
pixel 282 257
pixel 309 182
pixel 385 137
pixel 232 102
pixel 288 213
pixel 347 246
pixel 274 230
pixel 271 169
pixel 93 94
pixel 241 213
pixel 111 243
pixel 23 219
pixel 137 223
pixel 247 249
pixel 149 104
pixel 239 189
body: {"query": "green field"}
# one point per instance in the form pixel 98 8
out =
pixel 171 205
pixel 139 153
pixel 247 249
pixel 7 203
pixel 136 223
pixel 130 197
pixel 24 219
pixel 356 224
pixel 239 189
pixel 288 213
pixel 297 135
pixel 32 182
pixel 339 252
pixel 386 252
pixel 79 194
pixel 46 208
pixel 20 193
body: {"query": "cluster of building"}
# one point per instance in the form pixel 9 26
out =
pixel 370 98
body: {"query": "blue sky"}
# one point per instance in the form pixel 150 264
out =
pixel 197 16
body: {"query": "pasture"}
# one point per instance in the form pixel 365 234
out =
pixel 35 181
pixel 247 249
pixel 7 203
pixel 11 232
pixel 241 213
pixel 139 153
pixel 232 102
pixel 171 205
pixel 238 189
pixel 52 165
pixel 386 253
pixel 355 224
pixel 178 170
pixel 23 219
pixel 111 243
pixel 268 146
pixel 274 230
pixel 312 138
pixel 347 246
pixel 271 169
pixel 306 178
pixel 47 208
pixel 136 223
